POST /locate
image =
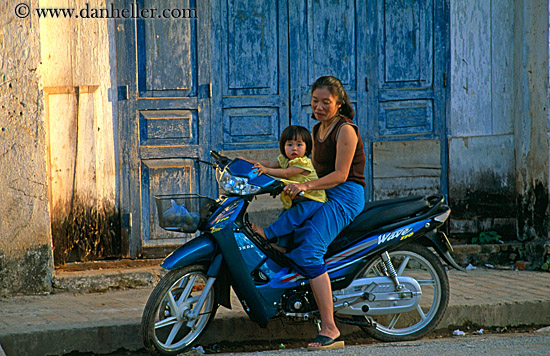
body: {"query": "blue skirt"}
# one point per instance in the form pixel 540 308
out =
pixel 289 220
pixel 345 202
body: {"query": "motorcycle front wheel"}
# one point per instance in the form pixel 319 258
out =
pixel 418 262
pixel 169 323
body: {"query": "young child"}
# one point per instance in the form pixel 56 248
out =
pixel 292 164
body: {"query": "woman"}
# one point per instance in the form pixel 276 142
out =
pixel 339 158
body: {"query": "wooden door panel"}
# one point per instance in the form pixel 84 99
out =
pixel 406 43
pixel 248 125
pixel 252 47
pixel 251 91
pixel 403 168
pixel 405 117
pixel 329 40
pixel 236 76
pixel 168 127
pixel 405 70
pixel 167 53
pixel 406 99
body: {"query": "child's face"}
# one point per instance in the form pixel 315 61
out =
pixel 295 148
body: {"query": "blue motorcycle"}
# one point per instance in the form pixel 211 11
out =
pixel 385 267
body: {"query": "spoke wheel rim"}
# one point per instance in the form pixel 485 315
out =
pixel 171 323
pixel 409 263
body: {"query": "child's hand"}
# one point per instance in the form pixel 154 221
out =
pixel 260 169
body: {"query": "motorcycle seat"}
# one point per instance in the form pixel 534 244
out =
pixel 377 214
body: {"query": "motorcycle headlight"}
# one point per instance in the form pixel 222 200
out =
pixel 236 185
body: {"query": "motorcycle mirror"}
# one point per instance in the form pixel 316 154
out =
pixel 219 158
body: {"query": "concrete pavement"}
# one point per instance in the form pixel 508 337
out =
pixel 103 322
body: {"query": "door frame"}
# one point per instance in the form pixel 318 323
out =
pixel 129 105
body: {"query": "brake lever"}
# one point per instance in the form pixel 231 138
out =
pixel 206 162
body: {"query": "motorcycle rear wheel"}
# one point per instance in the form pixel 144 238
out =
pixel 418 262
pixel 164 324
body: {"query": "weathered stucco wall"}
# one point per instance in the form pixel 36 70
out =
pixel 79 82
pixel 531 118
pixel 481 123
pixel 498 146
pixel 25 243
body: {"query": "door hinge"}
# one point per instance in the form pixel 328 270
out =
pixel 444 80
pixel 210 90
pixel 126 221
pixel 123 92
pixel 367 83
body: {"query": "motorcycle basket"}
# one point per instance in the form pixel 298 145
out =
pixel 183 212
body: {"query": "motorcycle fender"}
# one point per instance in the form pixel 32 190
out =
pixel 223 286
pixel 199 249
pixel 442 250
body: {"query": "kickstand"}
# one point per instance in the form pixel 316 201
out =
pixel 317 323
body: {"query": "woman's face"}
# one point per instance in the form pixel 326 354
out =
pixel 325 105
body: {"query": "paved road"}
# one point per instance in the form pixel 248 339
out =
pixel 495 345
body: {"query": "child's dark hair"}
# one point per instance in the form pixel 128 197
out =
pixel 335 87
pixel 294 132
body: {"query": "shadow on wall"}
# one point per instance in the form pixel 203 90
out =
pixel 481 205
pixel 87 232
pixel 533 213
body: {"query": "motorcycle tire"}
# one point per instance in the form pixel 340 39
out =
pixel 416 261
pixel 164 324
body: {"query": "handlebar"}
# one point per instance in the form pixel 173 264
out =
pixel 274 190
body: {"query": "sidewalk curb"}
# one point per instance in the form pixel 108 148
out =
pixel 498 315
pixel 236 326
pixel 104 280
pixel 96 339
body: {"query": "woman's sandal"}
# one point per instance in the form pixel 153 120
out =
pixel 326 342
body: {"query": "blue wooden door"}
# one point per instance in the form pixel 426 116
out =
pixel 164 116
pixel 407 96
pixel 249 73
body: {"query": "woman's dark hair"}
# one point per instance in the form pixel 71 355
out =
pixel 335 87
pixel 294 132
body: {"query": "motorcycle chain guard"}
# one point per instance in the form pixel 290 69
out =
pixel 377 296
